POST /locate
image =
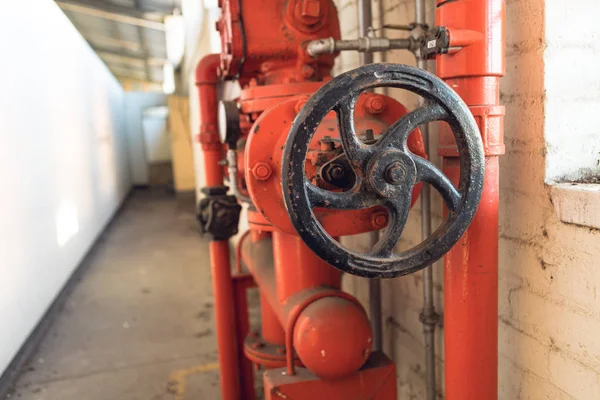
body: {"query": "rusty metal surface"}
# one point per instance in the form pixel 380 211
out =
pixel 386 171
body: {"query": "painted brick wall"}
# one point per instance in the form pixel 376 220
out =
pixel 549 341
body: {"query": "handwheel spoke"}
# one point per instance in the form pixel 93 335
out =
pixel 358 153
pixel 397 134
pixel 427 172
pixel 350 200
pixel 398 209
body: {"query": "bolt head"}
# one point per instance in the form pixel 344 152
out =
pixel 395 173
pixel 375 105
pixel 379 220
pixel 308 11
pixel 337 172
pixel 262 171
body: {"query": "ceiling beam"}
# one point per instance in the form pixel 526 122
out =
pixel 124 15
pixel 97 40
pixel 129 58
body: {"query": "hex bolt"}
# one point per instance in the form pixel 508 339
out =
pixel 261 171
pixel 337 172
pixel 308 11
pixel 395 173
pixel 307 71
pixel 379 220
pixel 375 104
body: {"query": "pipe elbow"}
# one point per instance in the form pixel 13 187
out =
pixel 207 69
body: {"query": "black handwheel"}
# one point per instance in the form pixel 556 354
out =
pixel 386 171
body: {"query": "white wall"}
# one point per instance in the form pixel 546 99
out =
pixel 157 138
pixel 63 160
pixel 135 104
pixel 572 86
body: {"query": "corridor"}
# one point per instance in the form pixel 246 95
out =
pixel 138 324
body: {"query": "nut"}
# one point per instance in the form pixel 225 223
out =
pixel 262 171
pixel 379 220
pixel 308 11
pixel 375 105
pixel 395 173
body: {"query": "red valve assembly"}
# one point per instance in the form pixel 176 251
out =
pixel 314 158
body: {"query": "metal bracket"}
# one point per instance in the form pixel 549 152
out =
pixel 436 41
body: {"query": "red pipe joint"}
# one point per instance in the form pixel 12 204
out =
pixel 331 335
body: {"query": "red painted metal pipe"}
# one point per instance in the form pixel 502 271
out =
pixel 298 268
pixel 225 319
pixel 206 80
pixel 212 149
pixel 331 335
pixel 476 30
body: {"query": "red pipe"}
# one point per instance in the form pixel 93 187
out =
pixel 225 321
pixel 332 336
pixel 471 267
pixel 212 149
pixel 298 268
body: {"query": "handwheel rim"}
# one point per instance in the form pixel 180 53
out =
pixel 294 183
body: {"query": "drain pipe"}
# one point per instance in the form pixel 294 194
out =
pixel 429 317
pixel 365 19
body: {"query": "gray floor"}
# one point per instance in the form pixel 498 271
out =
pixel 139 324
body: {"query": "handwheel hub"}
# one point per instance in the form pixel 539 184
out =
pixel 390 171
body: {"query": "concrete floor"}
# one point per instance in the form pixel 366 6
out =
pixel 139 324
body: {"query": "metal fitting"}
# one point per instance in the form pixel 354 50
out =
pixel 364 45
pixel 232 171
pixel 261 171
pixel 379 220
pixel 308 11
pixel 395 173
pixel 375 104
pixel 307 71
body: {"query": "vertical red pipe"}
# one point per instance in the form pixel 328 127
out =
pixel 212 149
pixel 272 331
pixel 242 328
pixel 473 69
pixel 298 268
pixel 206 80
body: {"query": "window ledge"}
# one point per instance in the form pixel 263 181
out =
pixel 577 203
